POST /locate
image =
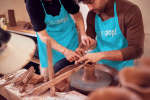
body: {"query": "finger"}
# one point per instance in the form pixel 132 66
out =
pixel 72 58
pixel 87 42
pixel 75 58
pixel 76 55
pixel 92 41
pixel 78 52
pixel 84 42
pixel 69 59
pixel 81 60
pixel 46 78
pixel 81 45
pixel 87 61
pixel 82 52
pixel 75 62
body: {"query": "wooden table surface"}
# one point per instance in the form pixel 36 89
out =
pixel 12 93
pixel 20 29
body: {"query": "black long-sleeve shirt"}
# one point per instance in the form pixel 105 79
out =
pixel 37 14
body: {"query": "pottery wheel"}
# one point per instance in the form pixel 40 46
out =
pixel 103 80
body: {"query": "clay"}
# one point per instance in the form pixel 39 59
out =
pixel 8 77
pixel 113 94
pixel 15 80
pixel 25 88
pixel 24 80
pixel 21 88
pixel 63 86
pixel 36 79
pixel 29 75
pixel 93 76
pixel 23 84
pixel 137 80
pixel 89 73
pixel 45 86
pixel 70 67
pixel 6 83
pixel 19 79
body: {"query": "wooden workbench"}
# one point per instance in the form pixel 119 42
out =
pixel 20 29
pixel 12 93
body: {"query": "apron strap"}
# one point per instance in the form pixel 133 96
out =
pixel 60 2
pixel 115 13
pixel 115 9
pixel 43 6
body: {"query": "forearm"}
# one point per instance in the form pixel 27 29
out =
pixel 121 55
pixel 115 55
pixel 54 44
pixel 79 23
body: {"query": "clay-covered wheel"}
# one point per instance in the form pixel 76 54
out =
pixel 104 78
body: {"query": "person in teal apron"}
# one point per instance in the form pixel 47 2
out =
pixel 62 32
pixel 109 37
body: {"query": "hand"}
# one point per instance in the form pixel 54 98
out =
pixel 70 55
pixel 80 51
pixel 90 57
pixel 44 73
pixel 87 41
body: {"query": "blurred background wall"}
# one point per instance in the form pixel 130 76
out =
pixel 21 14
pixel 18 6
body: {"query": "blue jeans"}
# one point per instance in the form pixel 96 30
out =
pixel 62 64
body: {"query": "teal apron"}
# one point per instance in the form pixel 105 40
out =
pixel 62 29
pixel 109 37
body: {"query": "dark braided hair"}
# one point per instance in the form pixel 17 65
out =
pixel 4 36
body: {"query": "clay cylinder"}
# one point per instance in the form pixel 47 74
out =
pixel 11 16
pixel 113 94
pixel 89 73
pixel 137 80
